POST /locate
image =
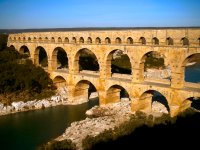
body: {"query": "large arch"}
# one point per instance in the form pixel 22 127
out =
pixel 153 101
pixel 40 57
pixel 190 68
pixel 118 62
pixel 193 102
pixel 116 93
pixel 85 59
pixel 59 81
pixel 24 50
pixel 83 90
pixel 153 61
pixel 59 59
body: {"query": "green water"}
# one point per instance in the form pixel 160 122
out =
pixel 28 130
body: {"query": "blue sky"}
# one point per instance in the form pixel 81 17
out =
pixel 23 14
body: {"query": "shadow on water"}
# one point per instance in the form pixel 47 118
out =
pixel 28 130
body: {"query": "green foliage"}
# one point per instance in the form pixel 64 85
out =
pixel 3 41
pixel 19 77
pixel 153 62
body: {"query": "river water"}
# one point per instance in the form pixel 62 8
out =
pixel 28 130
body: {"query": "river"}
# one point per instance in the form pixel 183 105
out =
pixel 28 130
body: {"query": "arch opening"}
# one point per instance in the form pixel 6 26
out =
pixel 107 40
pixel 129 40
pixel 142 41
pixel 154 102
pixel 118 63
pixel 98 40
pixel 193 102
pixel 74 40
pixel 40 57
pixel 81 40
pixel 85 91
pixel 155 41
pixel 153 67
pixel 191 68
pixel 85 59
pixel 59 40
pixel 25 51
pixel 118 40
pixel 59 82
pixel 116 93
pixel 169 41
pixel 66 40
pixel 89 40
pixel 59 59
pixel 185 41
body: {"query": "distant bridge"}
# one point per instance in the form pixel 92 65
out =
pixel 177 46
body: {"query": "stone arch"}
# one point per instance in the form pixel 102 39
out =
pixel 129 40
pixel 98 40
pixel 107 40
pixel 193 102
pixel 153 101
pixel 40 39
pixel 169 41
pixel 52 40
pixel 151 60
pixel 116 93
pixel 59 40
pixel 19 39
pixel 59 81
pixel 14 38
pixel 29 39
pixel 190 61
pixel 34 39
pixel 24 50
pixel 89 40
pixel 40 57
pixel 59 59
pixel 74 40
pixel 81 40
pixel 185 41
pixel 142 41
pixel 155 41
pixel 66 40
pixel 114 62
pixel 12 46
pixel 46 39
pixel 24 39
pixel 84 57
pixel 118 40
pixel 83 90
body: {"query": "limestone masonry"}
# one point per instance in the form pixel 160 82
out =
pixel 177 46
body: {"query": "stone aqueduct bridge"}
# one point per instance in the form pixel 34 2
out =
pixel 178 46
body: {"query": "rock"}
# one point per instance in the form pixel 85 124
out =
pixel 1 106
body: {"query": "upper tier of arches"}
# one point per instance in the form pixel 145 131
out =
pixel 154 37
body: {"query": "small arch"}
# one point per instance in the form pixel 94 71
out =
pixel 118 40
pixel 185 41
pixel 40 57
pixel 155 41
pixel 24 50
pixel 14 38
pixel 89 40
pixel 19 39
pixel 10 38
pixel 98 40
pixel 34 39
pixel 46 39
pixel 74 40
pixel 154 101
pixel 24 39
pixel 40 39
pixel 116 93
pixel 107 40
pixel 29 39
pixel 52 40
pixel 81 40
pixel 59 59
pixel 12 46
pixel 59 81
pixel 84 57
pixel 129 40
pixel 66 40
pixel 198 41
pixel 83 91
pixel 142 41
pixel 59 40
pixel 169 41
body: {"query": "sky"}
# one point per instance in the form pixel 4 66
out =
pixel 28 14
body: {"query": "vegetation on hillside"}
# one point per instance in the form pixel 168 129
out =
pixel 19 78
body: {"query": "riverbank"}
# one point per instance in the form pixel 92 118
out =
pixel 104 123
